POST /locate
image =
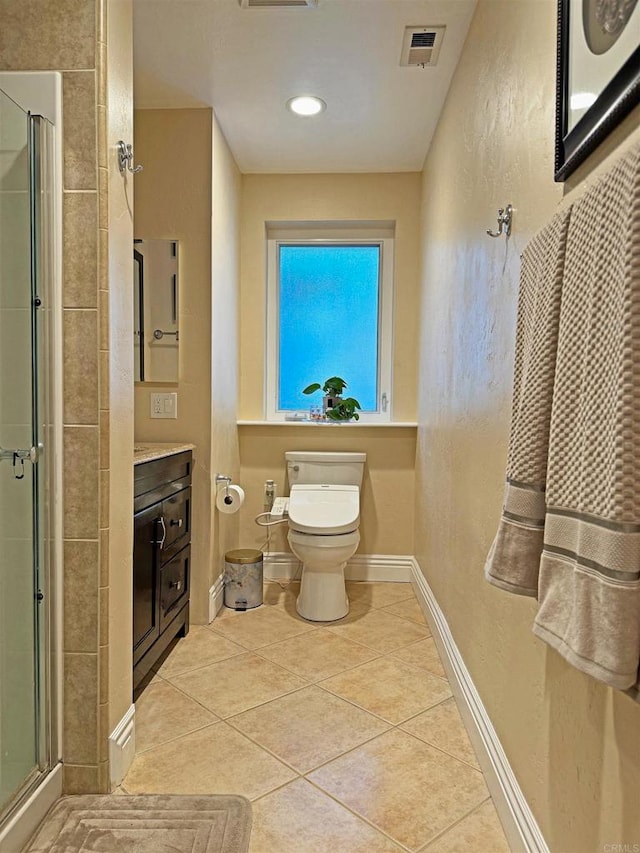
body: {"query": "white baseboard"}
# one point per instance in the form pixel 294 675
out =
pixel 283 565
pixel 216 597
pixel 122 747
pixel 520 826
pixel 22 825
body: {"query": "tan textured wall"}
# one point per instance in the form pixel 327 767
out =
pixel 387 496
pixel 174 202
pixel 199 206
pixel 329 197
pixel 572 743
pixel 332 197
pixel 119 382
pixel 225 286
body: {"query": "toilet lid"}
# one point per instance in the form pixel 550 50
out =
pixel 324 510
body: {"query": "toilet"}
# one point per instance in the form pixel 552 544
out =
pixel 324 517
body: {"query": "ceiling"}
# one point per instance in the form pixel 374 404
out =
pixel 246 64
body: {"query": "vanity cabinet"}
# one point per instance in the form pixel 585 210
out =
pixel 161 558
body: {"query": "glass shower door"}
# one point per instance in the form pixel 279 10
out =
pixel 21 588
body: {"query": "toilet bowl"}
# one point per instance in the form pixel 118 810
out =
pixel 324 518
pixel 323 596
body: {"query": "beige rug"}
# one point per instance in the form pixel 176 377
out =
pixel 94 823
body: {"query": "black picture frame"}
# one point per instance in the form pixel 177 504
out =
pixel 618 97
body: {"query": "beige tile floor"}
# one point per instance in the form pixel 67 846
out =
pixel 344 735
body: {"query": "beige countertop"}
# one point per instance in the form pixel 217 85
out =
pixel 147 451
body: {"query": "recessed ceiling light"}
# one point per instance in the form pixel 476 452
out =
pixel 306 105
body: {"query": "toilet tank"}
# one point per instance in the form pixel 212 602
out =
pixel 307 467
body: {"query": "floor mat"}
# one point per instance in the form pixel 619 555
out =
pixel 94 823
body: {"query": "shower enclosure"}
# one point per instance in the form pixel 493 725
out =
pixel 28 677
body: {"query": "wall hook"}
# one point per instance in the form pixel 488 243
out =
pixel 125 158
pixel 505 215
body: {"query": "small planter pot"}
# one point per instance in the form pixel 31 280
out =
pixel 329 403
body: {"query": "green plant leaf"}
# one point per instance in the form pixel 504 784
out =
pixel 344 410
pixel 334 386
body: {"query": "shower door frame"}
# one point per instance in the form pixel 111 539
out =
pixel 40 95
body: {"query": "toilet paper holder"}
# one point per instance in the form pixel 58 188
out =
pixel 229 496
pixel 222 478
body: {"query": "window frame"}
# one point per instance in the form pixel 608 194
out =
pixel 310 237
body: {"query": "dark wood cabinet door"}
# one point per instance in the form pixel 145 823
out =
pixel 146 618
pixel 176 511
pixel 161 559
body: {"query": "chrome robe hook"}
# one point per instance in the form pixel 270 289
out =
pixel 125 158
pixel 505 215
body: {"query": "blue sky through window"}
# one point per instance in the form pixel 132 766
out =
pixel 329 301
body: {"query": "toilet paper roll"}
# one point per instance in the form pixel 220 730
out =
pixel 230 500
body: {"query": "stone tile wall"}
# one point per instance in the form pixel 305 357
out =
pixel 70 36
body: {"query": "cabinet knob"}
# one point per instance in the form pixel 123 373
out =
pixel 176 522
pixel 175 585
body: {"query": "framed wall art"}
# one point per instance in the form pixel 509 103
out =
pixel 598 75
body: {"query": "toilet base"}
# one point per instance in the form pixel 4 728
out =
pixel 323 596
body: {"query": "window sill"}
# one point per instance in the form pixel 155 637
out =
pixel 325 425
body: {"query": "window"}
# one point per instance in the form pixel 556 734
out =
pixel 329 301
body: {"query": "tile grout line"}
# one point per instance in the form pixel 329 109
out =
pixel 235 714
pixel 181 672
pixel 318 684
pixel 437 836
pixel 380 655
pixel 177 737
pixel 303 773
pixel 353 704
pixel 259 649
pixel 377 656
pixel 340 802
pixel 359 816
pixel 310 682
pixel 278 787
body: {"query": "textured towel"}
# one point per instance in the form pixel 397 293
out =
pixel 514 559
pixel 570 528
pixel 589 584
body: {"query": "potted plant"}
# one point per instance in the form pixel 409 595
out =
pixel 335 407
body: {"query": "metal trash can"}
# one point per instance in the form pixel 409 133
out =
pixel 243 578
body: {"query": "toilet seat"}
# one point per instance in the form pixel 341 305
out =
pixel 324 510
pixel 320 542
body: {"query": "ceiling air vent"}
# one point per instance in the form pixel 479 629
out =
pixel 260 4
pixel 421 45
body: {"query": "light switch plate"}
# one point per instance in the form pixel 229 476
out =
pixel 164 405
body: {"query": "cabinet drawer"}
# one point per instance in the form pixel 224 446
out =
pixel 174 585
pixel 153 481
pixel 176 513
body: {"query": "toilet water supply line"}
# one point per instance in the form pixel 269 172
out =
pixel 269 523
pixel 270 497
pixel 267 545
